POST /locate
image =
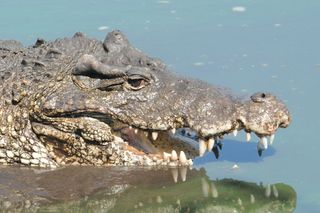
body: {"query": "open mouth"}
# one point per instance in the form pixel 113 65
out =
pixel 131 145
pixel 181 146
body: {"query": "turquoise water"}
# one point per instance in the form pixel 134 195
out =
pixel 265 45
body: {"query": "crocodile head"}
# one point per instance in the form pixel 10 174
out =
pixel 118 92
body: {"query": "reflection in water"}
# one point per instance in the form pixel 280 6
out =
pixel 88 189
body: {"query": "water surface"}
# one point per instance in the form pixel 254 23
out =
pixel 248 46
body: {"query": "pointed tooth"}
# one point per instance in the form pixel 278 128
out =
pixel 205 187
pixel 182 158
pixel 190 162
pixel 264 142
pixel 166 156
pixel 173 131
pixel 214 191
pixel 183 173
pixel 130 127
pixel 248 136
pixel 174 172
pixel 262 145
pixel 136 131
pixel 174 155
pixel 202 147
pixel 146 134
pixel 154 135
pixel 211 143
pixel 271 139
pixel 235 132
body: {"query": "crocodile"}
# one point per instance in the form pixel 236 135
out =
pixel 82 101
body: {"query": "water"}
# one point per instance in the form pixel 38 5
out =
pixel 248 46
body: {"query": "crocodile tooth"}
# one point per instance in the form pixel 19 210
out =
pixel 174 155
pixel 235 132
pixel 202 147
pixel 190 162
pixel 146 134
pixel 183 173
pixel 271 139
pixel 130 127
pixel 173 130
pixel 248 136
pixel 136 131
pixel 174 172
pixel 154 135
pixel 262 145
pixel 264 142
pixel 166 156
pixel 211 143
pixel 182 158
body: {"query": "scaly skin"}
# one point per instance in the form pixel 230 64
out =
pixel 71 101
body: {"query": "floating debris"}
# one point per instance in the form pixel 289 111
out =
pixel 102 28
pixel 239 9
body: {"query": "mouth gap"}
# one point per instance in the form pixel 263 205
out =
pixel 142 142
pixel 165 142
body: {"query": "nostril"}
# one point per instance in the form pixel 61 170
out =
pixel 263 95
pixel 284 124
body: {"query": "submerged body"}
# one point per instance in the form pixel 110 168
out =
pixel 82 101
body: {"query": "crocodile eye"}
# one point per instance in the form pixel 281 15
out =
pixel 136 82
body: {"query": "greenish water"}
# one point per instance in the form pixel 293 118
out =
pixel 270 46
